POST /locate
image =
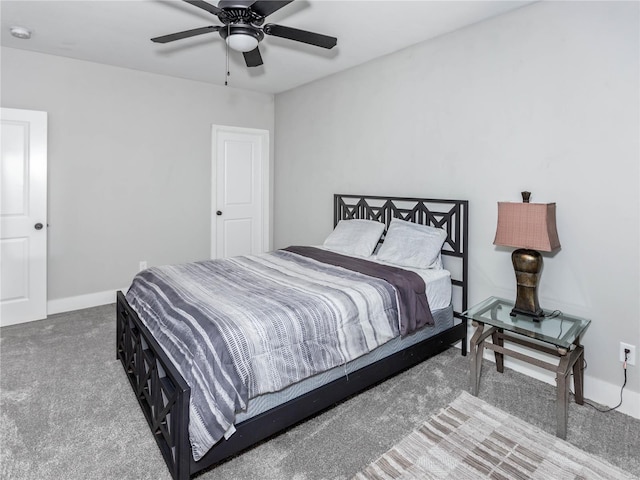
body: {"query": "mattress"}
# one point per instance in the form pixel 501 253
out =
pixel 437 286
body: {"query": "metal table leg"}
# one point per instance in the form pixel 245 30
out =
pixel 578 376
pixel 477 350
pixel 498 339
pixel 474 371
pixel 562 401
pixel 569 361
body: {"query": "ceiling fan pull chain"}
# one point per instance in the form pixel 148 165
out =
pixel 226 77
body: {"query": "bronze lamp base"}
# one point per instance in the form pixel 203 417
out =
pixel 527 265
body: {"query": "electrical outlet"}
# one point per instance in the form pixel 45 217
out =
pixel 143 265
pixel 631 359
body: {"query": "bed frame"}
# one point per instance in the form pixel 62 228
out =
pixel 163 394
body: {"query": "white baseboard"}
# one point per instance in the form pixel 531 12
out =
pixel 68 304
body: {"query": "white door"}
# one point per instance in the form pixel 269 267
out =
pixel 240 198
pixel 23 216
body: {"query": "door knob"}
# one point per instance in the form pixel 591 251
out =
pixel 38 226
pixel 218 213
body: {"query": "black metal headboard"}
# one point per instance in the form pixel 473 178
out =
pixel 450 215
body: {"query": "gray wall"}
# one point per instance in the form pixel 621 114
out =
pixel 129 164
pixel 542 99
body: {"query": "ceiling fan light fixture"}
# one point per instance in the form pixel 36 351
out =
pixel 242 42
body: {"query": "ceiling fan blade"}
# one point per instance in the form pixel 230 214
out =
pixel 303 36
pixel 186 34
pixel 267 7
pixel 253 58
pixel 205 6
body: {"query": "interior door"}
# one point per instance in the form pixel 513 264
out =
pixel 241 186
pixel 23 216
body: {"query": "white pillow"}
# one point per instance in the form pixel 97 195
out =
pixel 412 245
pixel 355 237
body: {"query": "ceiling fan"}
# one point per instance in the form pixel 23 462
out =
pixel 243 27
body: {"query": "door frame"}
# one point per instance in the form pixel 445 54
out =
pixel 266 183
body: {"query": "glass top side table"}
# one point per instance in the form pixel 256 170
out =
pixel 561 330
pixel 557 334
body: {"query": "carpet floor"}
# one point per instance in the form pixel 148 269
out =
pixel 67 412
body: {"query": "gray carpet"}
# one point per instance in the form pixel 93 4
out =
pixel 67 411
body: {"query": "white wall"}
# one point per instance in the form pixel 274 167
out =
pixel 543 99
pixel 129 166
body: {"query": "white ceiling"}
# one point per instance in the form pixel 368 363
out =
pixel 118 32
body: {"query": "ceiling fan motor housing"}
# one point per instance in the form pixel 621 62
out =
pixel 236 11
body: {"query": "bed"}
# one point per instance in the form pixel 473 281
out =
pixel 164 394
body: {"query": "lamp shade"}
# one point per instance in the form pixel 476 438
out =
pixel 527 225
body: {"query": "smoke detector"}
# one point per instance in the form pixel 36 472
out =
pixel 21 32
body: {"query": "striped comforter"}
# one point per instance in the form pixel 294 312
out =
pixel 240 327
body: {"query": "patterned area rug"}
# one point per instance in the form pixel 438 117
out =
pixel 470 439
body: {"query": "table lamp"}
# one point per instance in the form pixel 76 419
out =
pixel 531 228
